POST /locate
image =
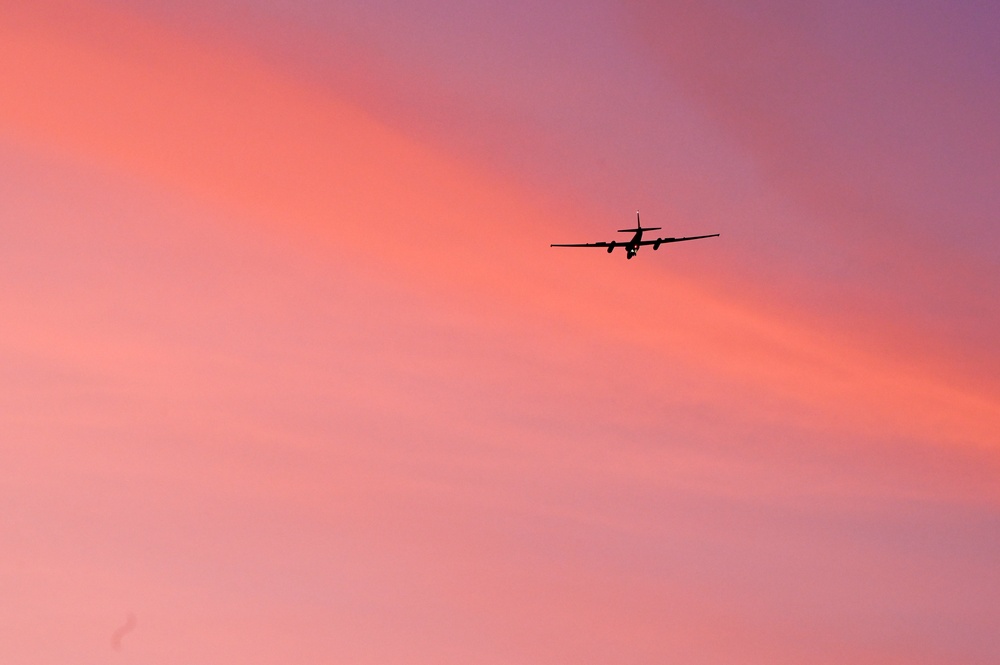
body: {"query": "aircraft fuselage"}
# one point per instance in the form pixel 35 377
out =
pixel 632 248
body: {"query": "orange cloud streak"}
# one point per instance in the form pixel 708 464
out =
pixel 217 124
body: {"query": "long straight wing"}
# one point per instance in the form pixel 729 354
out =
pixel 660 241
pixel 622 243
pixel 591 244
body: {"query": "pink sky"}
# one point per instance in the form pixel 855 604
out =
pixel 290 373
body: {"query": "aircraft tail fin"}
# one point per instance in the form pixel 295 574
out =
pixel 639 226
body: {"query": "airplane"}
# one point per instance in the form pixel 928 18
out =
pixel 632 246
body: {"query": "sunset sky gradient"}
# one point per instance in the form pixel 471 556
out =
pixel 290 373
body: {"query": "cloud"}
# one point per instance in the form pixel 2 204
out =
pixel 122 631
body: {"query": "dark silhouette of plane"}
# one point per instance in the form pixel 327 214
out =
pixel 632 246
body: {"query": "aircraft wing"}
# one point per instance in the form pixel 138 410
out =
pixel 660 241
pixel 591 244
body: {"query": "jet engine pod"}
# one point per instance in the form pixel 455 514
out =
pixel 611 247
pixel 656 244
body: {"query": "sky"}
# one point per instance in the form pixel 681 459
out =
pixel 289 372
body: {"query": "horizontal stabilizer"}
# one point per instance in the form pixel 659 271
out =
pixel 651 228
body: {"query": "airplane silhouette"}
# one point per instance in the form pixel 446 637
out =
pixel 633 245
